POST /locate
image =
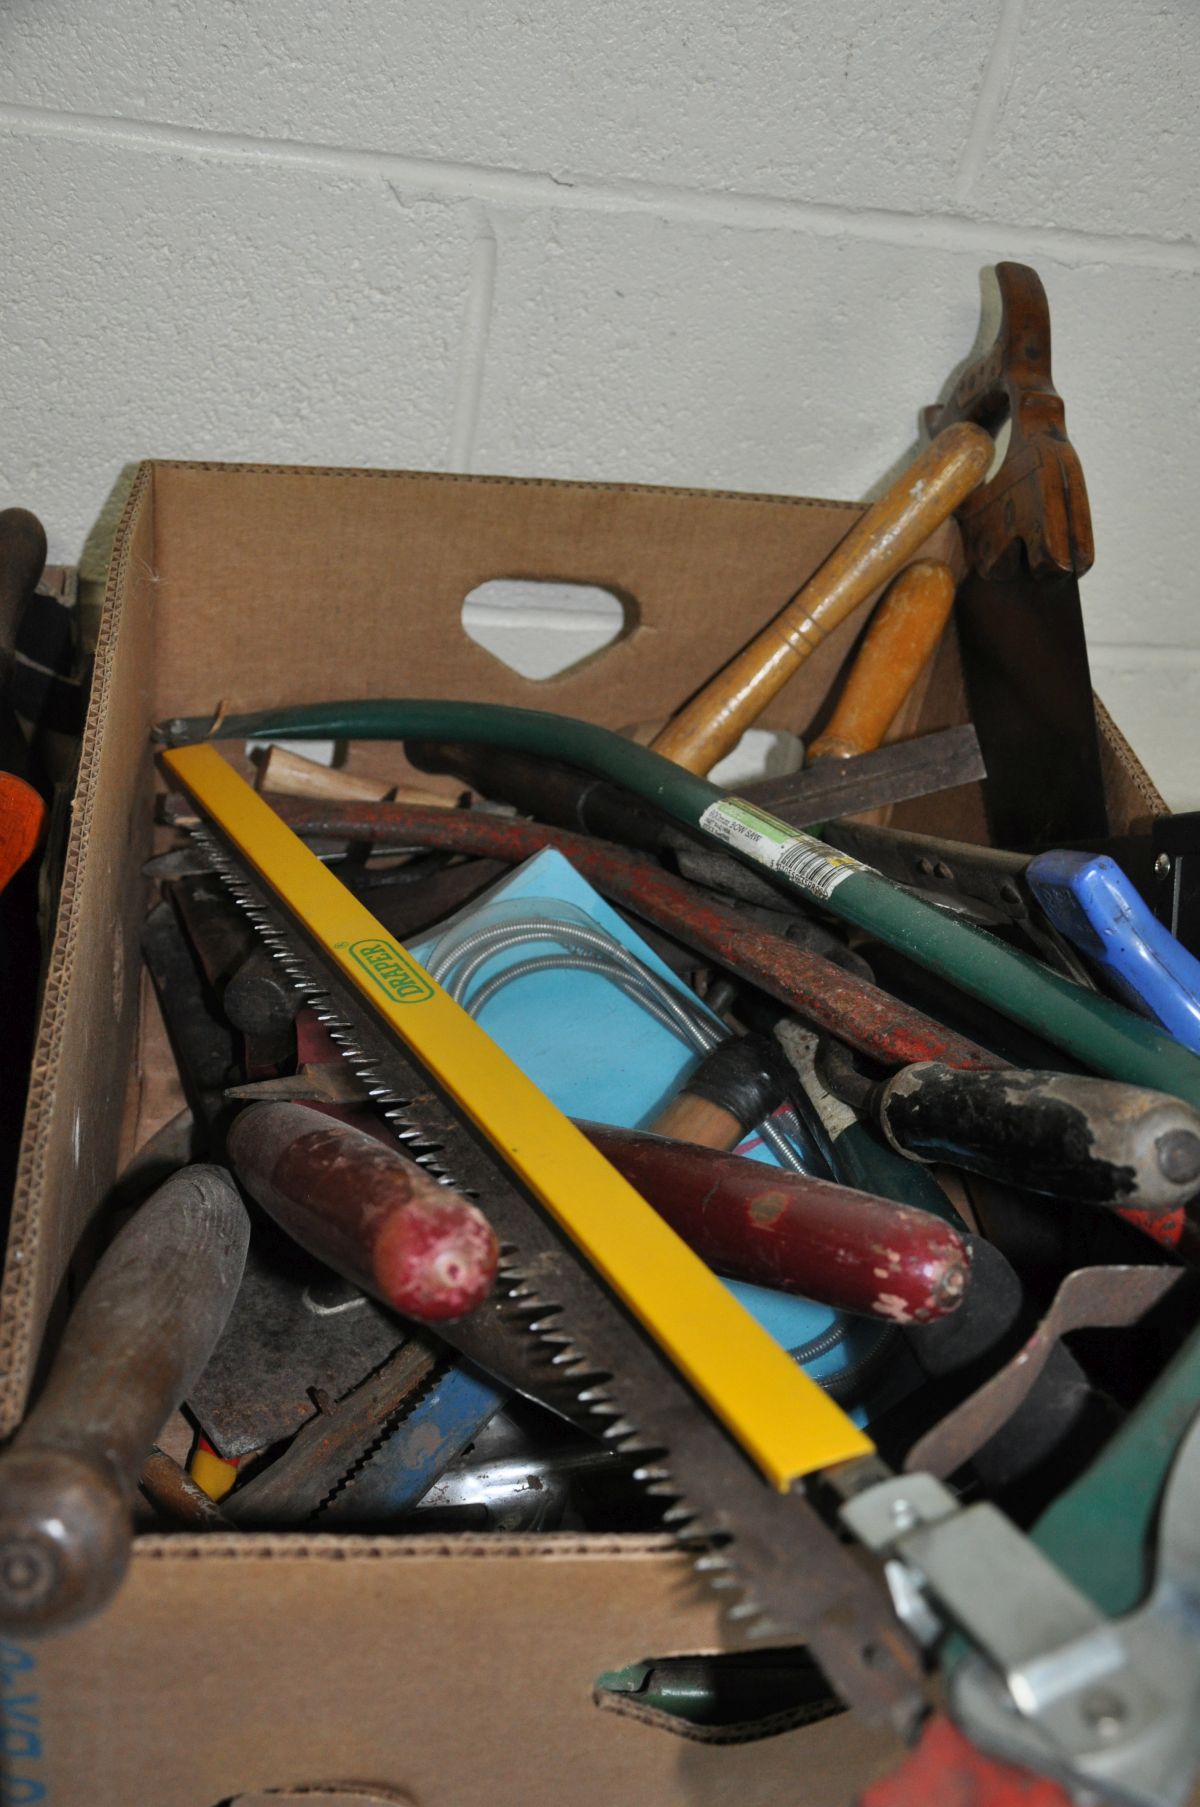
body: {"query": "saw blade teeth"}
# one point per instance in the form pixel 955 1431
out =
pixel 525 1308
pixel 621 1431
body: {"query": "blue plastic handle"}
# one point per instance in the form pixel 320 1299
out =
pixel 1089 899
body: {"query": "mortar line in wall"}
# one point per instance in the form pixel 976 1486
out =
pixel 453 181
pixel 472 357
pixel 993 90
pixel 1110 653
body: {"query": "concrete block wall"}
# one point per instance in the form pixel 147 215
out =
pixel 735 244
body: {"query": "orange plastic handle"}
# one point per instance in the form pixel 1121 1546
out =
pixel 879 544
pixel 897 646
pixel 22 818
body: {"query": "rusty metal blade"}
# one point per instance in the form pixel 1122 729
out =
pixel 1092 1298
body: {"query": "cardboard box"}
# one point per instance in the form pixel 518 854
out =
pixel 446 1673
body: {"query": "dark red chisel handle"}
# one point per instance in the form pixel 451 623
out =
pixel 801 1235
pixel 366 1210
pixel 141 1333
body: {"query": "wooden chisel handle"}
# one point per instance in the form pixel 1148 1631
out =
pixel 733 1088
pixel 142 1330
pixel 366 1210
pixel 876 547
pixel 22 561
pixel 897 646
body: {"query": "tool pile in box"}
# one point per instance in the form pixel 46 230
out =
pixel 592 1148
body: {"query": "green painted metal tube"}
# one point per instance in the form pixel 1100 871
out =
pixel 1099 1032
pixel 1100 1531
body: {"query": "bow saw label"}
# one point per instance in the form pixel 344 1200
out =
pixel 778 847
pixel 392 970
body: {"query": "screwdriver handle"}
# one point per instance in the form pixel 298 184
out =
pixel 879 544
pixel 1091 1140
pixel 898 645
pixel 365 1210
pixel 742 1081
pixel 142 1330
pixel 839 1247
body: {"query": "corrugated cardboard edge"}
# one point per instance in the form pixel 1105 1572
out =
pixel 18 1288
pixel 484 480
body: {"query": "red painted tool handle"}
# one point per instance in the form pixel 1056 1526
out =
pixel 946 1770
pixel 142 1331
pixel 365 1210
pixel 800 1235
pixel 857 1012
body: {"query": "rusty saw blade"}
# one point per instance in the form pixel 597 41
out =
pixel 554 1332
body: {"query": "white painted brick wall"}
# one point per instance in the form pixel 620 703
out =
pixel 734 244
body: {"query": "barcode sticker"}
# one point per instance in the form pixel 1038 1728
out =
pixel 800 857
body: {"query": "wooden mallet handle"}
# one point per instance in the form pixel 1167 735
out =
pixel 142 1330
pixel 879 544
pixel 897 646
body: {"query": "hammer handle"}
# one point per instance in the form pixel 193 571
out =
pixel 879 544
pixel 22 561
pixel 897 646
pixel 140 1334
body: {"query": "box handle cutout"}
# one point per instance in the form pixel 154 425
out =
pixel 731 1697
pixel 542 628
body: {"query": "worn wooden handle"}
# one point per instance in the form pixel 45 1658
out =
pixel 22 561
pixel 698 1120
pixel 287 774
pixel 142 1331
pixel 844 1248
pixel 366 1210
pixel 879 544
pixel 898 645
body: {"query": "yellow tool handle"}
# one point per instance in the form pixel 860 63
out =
pixel 781 1418
pixel 876 547
pixel 898 645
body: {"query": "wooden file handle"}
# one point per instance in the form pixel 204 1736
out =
pixel 879 544
pixel 898 645
pixel 142 1331
pixel 287 774
pixel 22 561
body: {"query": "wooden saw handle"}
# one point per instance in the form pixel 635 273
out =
pixel 898 645
pixel 142 1330
pixel 879 544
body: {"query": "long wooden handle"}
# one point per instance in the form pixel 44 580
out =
pixel 879 544
pixel 143 1329
pixel 898 645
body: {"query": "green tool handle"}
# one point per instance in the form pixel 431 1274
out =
pixel 1100 1531
pixel 1099 1032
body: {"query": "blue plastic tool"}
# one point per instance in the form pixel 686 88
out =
pixel 444 1421
pixel 1089 899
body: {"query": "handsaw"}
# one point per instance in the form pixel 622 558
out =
pixel 557 1330
pixel 1028 538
